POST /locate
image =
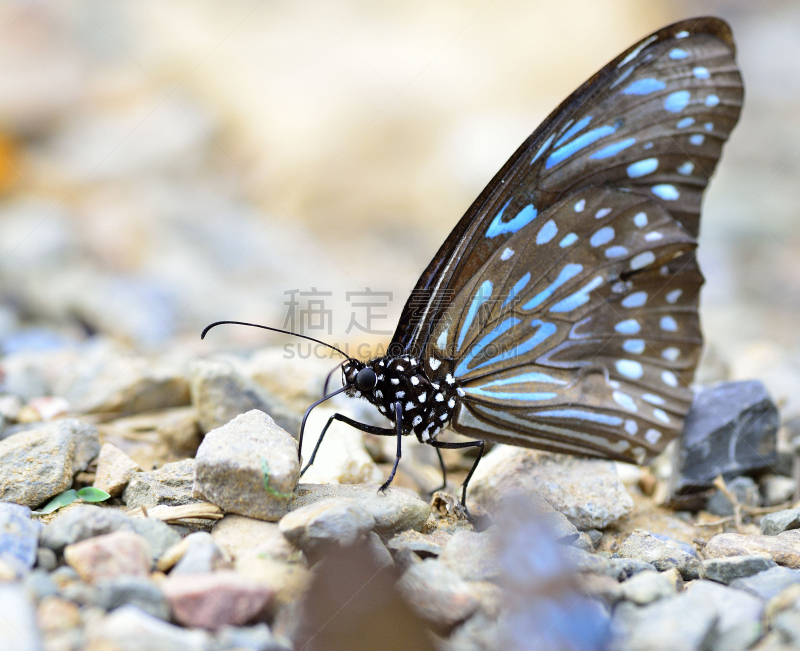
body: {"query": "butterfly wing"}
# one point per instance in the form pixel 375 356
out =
pixel 593 352
pixel 651 122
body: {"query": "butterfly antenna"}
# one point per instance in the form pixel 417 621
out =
pixel 285 332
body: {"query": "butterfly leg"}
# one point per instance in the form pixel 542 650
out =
pixel 371 429
pixel 459 446
pixel 398 421
pixel 444 473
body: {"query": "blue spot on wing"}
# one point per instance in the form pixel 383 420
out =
pixel 677 101
pixel 562 153
pixel 518 287
pixel 613 149
pixel 644 87
pixel 545 330
pixel 481 296
pixel 567 273
pixel 581 415
pixel 575 128
pixel 523 218
pixel 578 298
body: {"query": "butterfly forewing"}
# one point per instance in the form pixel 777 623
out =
pixel 652 122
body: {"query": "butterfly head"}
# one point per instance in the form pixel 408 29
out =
pixel 358 377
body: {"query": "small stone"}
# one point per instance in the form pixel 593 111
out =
pixel 36 465
pixel 46 559
pixel 170 485
pixel 232 465
pixel 743 488
pixel 617 568
pixel 114 470
pixel 202 555
pixel 473 556
pixel 647 586
pixel 158 533
pixel 776 489
pixel 251 638
pixel 289 581
pixel 726 569
pixel 19 535
pixel 137 591
pixel 663 556
pixel 109 556
pixel 220 393
pixel 81 522
pixel 131 629
pixel 595 536
pixel 315 527
pixel 730 430
pixel 18 630
pixel 588 491
pixel 39 584
pixel 583 542
pixel 438 594
pixel 56 614
pixel 769 583
pixel 423 545
pixel 736 544
pixel 240 536
pixel 774 523
pixel 179 430
pixel 211 601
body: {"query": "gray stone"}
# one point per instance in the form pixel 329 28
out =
pixel 82 522
pixel 19 535
pixel 473 555
pixel 768 583
pixel 250 638
pixel 781 549
pixel 663 556
pixel 46 559
pixel 18 630
pixel 647 586
pixel 131 629
pixel 316 527
pixel 39 584
pixel 706 616
pixel 141 592
pixel 170 485
pixel 395 510
pixel 588 491
pixel 158 533
pixel 776 489
pixel 743 488
pixel 774 523
pixel 37 464
pixel 617 568
pixel 220 393
pixel 114 470
pixel 725 570
pixel 240 536
pixel 730 430
pixel 202 555
pixel 248 466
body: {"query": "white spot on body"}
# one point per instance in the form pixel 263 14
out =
pixel 441 342
pixel 417 420
pixel 410 405
pixel 422 397
pixel 642 260
pixel 443 417
pixel 506 254
pixel 580 205
pixel 399 394
pixel 400 368
pixel 439 397
pixel 414 380
pixel 394 381
pixel 629 368
pixel 449 379
pixel 451 403
pixel 435 363
pixel 460 391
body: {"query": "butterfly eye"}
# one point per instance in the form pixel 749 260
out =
pixel 366 379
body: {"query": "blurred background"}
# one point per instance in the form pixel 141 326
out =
pixel 167 164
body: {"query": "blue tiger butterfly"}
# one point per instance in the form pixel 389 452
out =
pixel 561 311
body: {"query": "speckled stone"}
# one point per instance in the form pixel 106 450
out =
pixel 663 556
pixel 170 485
pixel 114 470
pixel 736 544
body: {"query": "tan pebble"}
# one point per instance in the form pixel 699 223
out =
pixel 57 614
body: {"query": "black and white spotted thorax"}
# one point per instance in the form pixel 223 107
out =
pixel 428 404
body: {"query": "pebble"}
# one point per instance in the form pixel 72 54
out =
pixel 688 620
pixel 201 555
pixel 288 580
pixel 19 535
pixel 114 470
pixel 232 462
pixel 662 555
pixel 649 586
pixel 158 533
pixel 170 485
pixel 473 555
pixel 217 599
pixel 617 568
pixel 131 629
pixel 179 430
pixel 37 464
pixel 240 536
pixel 726 569
pixel 744 489
pixel 39 584
pixel 46 559
pixel 439 595
pixel 769 583
pixel 250 638
pixel 56 614
pixel 18 630
pixel 588 491
pixel 80 522
pixel 776 489
pixel 774 523
pixel 138 591
pixel 220 393
pixel 395 510
pixel 109 556
pixel 730 430
pixel 736 544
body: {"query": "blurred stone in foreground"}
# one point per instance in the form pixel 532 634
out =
pixel 731 429
pixel 353 604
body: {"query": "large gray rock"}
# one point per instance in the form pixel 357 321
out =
pixel 725 570
pixel 220 393
pixel 730 429
pixel 769 583
pixel 19 535
pixel 248 466
pixel 588 491
pixel 171 485
pixel 131 629
pixel 649 586
pixel 37 464
pixel 782 551
pixel 774 523
pixel 18 630
pixel 134 590
pixel 663 556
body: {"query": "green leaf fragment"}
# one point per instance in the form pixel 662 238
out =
pixel 62 499
pixel 270 489
pixel 92 494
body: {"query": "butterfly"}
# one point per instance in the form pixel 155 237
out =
pixel 561 311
